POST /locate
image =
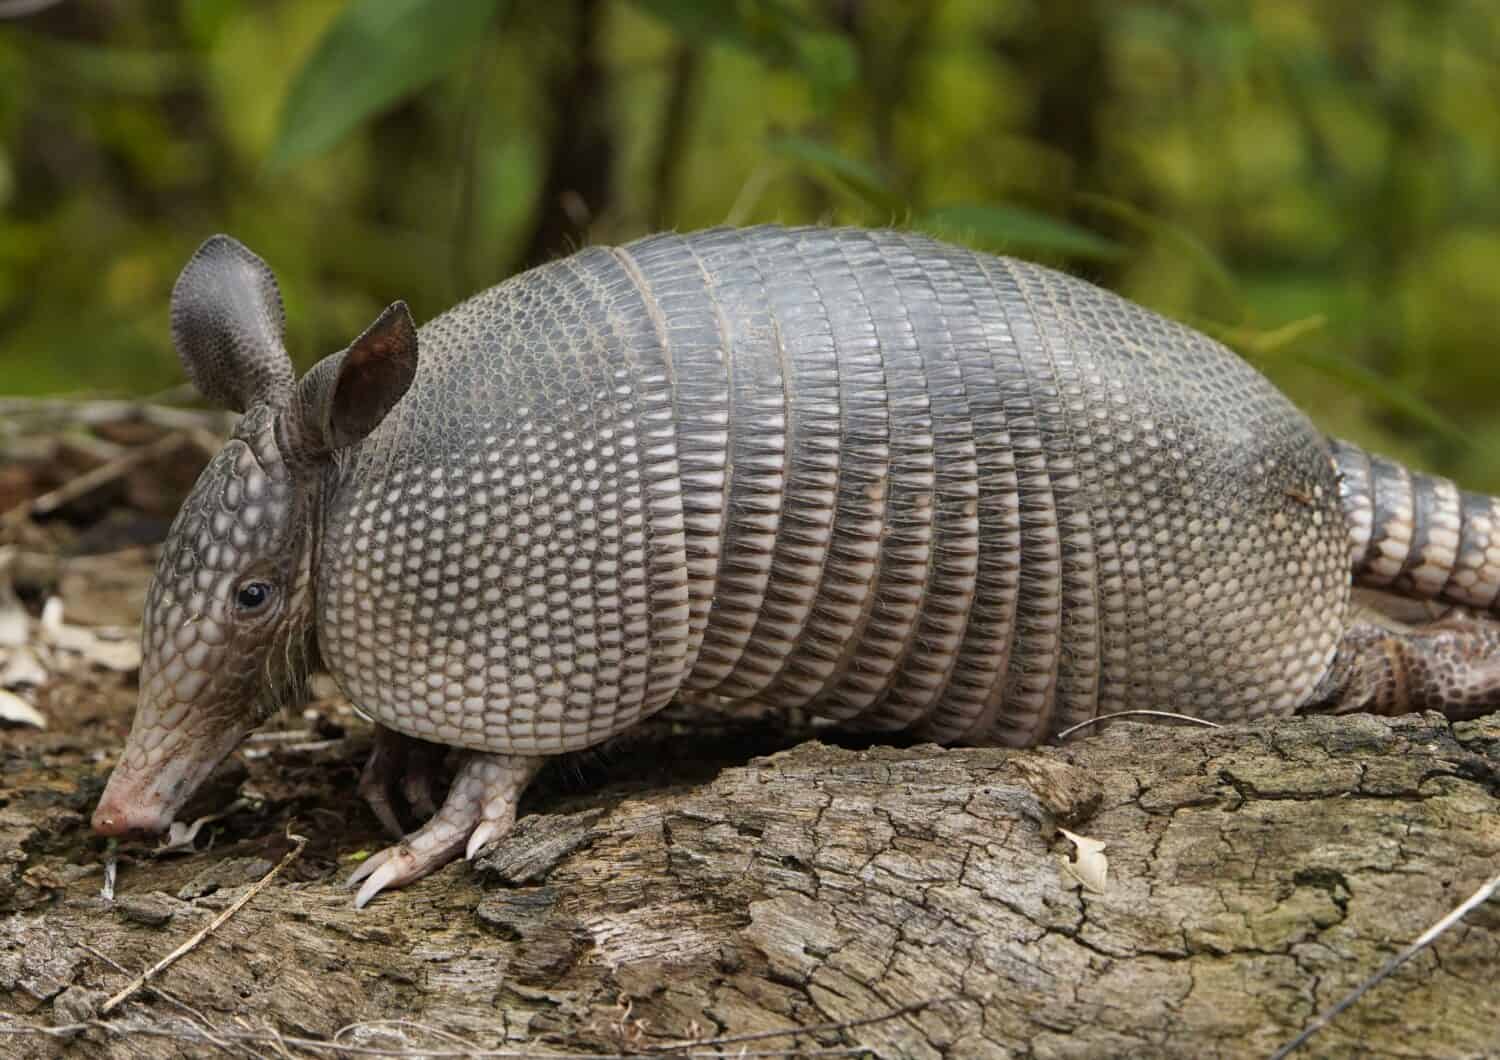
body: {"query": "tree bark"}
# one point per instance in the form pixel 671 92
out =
pixel 1256 874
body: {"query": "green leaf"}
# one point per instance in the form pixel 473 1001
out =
pixel 1015 228
pixel 842 172
pixel 1177 235
pixel 1256 342
pixel 771 30
pixel 1383 391
pixel 829 63
pixel 1260 345
pixel 375 53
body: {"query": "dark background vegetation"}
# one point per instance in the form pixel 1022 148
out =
pixel 1313 182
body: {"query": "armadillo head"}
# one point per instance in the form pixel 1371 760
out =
pixel 228 623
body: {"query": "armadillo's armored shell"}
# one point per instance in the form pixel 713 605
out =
pixel 896 482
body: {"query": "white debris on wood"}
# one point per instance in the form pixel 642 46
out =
pixel 16 711
pixel 22 669
pixel 33 651
pixel 1090 867
pixel 13 620
pixel 111 871
pixel 12 626
pixel 113 649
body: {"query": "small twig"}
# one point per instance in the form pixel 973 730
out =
pixel 22 8
pixel 111 869
pixel 282 1042
pixel 812 1028
pixel 436 1032
pixel 181 837
pixel 279 736
pixel 212 926
pixel 91 412
pixel 253 754
pixel 1486 891
pixel 1071 729
pixel 167 995
pixel 91 480
pixel 311 745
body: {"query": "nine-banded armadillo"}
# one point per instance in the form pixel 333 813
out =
pixel 900 484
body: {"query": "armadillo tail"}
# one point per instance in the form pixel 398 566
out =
pixel 1416 534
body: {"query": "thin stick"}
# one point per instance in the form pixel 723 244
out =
pixel 813 1028
pixel 167 995
pixel 91 480
pixel 125 1029
pixel 1071 729
pixel 92 412
pixel 22 8
pixel 213 926
pixel 1428 937
pixel 279 736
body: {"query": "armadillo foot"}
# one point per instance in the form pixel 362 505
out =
pixel 1451 665
pixel 481 806
pixel 404 760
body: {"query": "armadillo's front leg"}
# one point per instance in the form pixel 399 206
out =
pixel 1451 666
pixel 404 761
pixel 481 806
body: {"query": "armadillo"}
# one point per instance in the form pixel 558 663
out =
pixel 898 484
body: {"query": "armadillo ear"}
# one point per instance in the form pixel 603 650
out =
pixel 227 325
pixel 344 397
pixel 377 368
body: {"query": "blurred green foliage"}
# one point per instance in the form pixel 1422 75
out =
pixel 1316 182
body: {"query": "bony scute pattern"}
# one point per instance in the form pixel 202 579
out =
pixel 1121 513
pixel 529 591
pixel 863 474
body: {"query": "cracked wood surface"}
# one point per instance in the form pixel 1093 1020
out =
pixel 1256 874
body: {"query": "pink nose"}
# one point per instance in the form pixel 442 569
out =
pixel 112 818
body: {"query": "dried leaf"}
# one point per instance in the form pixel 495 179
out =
pixel 112 649
pixel 52 617
pixel 180 836
pixel 16 711
pixel 1090 867
pixel 69 638
pixel 23 669
pixel 12 625
pixel 122 654
pixel 13 621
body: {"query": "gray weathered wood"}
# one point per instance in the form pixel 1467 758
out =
pixel 1256 874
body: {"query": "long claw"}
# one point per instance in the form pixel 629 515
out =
pixel 377 883
pixel 481 807
pixel 369 865
pixel 484 833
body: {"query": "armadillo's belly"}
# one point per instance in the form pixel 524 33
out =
pixel 897 483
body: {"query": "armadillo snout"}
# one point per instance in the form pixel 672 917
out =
pixel 112 817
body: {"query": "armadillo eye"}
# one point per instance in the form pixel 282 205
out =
pixel 253 596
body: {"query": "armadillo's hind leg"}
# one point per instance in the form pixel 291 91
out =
pixel 1451 666
pixel 404 761
pixel 481 806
